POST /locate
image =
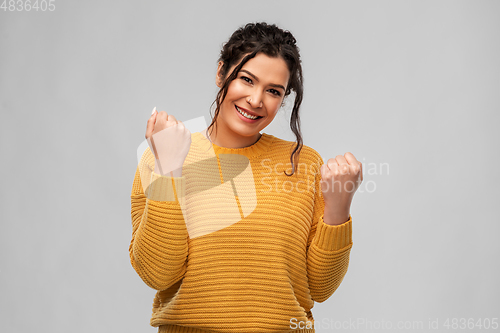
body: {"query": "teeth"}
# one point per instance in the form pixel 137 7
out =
pixel 246 115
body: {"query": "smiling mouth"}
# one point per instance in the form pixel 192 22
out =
pixel 246 115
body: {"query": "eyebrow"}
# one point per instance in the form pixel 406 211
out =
pixel 256 79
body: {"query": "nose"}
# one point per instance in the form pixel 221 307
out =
pixel 255 100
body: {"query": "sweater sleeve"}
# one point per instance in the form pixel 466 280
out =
pixel 158 249
pixel 328 251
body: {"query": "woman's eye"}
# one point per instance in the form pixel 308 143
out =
pixel 275 92
pixel 246 79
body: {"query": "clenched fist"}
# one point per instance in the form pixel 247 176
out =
pixel 169 141
pixel 340 178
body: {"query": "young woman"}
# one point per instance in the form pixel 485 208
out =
pixel 238 230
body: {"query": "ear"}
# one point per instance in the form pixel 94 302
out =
pixel 218 77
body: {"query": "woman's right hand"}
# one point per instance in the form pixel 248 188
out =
pixel 169 141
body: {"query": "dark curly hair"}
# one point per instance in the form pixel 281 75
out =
pixel 244 44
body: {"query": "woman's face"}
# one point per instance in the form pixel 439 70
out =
pixel 258 90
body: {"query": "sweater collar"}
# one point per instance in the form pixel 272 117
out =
pixel 262 145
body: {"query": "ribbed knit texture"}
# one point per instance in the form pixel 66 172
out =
pixel 254 275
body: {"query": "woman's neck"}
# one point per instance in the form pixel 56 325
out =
pixel 227 141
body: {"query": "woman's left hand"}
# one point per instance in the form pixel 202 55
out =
pixel 340 178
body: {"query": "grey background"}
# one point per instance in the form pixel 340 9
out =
pixel 410 84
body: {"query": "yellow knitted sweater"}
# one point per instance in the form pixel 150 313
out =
pixel 254 255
